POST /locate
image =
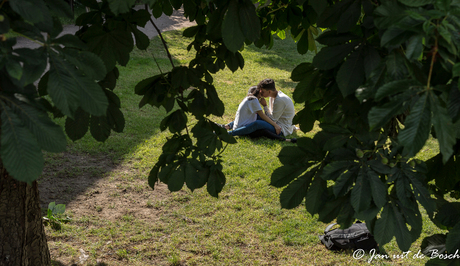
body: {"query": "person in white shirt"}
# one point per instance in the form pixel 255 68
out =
pixel 251 120
pixel 280 108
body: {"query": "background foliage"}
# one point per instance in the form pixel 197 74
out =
pixel 386 79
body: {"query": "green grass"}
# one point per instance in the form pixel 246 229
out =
pixel 244 226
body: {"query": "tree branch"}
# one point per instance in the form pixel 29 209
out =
pixel 433 59
pixel 161 36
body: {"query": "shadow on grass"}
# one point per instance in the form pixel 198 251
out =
pixel 67 175
pixel 58 263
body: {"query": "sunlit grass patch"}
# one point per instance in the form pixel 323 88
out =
pixel 244 226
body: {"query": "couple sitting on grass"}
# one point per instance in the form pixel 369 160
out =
pixel 274 122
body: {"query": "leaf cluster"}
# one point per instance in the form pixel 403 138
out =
pixel 384 82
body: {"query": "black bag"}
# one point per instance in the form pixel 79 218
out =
pixel 355 237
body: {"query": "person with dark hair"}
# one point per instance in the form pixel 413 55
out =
pixel 280 108
pixel 250 120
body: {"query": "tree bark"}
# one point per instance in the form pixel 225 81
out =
pixel 22 235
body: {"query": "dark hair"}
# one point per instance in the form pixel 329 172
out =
pixel 267 84
pixel 253 92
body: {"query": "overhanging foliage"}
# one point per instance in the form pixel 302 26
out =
pixel 385 80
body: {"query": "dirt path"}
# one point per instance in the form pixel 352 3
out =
pixel 164 23
pixel 94 185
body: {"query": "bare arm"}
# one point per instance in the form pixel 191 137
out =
pixel 268 120
pixel 263 102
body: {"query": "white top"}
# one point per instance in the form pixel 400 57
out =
pixel 281 110
pixel 247 112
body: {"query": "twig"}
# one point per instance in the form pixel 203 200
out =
pixel 155 59
pixel 161 36
pixel 433 58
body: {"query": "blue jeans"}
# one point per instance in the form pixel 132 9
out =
pixel 251 127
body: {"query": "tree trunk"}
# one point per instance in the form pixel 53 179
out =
pixel 22 235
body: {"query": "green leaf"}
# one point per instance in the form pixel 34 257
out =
pixel 49 136
pixel 32 11
pixel 403 191
pixel 318 5
pixel 285 174
pixel 445 131
pixel 293 195
pixel 380 115
pixel 448 214
pixel 385 226
pixel 344 182
pixel 177 179
pixel 332 38
pixel 413 218
pixel 416 3
pixel 378 188
pixel 19 150
pixel 216 181
pixel 396 67
pixel 153 176
pixel 196 175
pixel 69 89
pixel 346 217
pixel 330 57
pixel 217 106
pixel 231 61
pixel 115 118
pixel 34 64
pixel 60 8
pixel 336 129
pixel 351 74
pixel 305 118
pixel 371 60
pixel 70 41
pixel 379 167
pixel 306 87
pixel 388 14
pixel 231 29
pixel 395 87
pixel 13 66
pixel 303 43
pixel 56 209
pixel 368 215
pixel 315 198
pixel 179 77
pixel 349 17
pixel 394 37
pixel 167 8
pixel 414 47
pixel 311 39
pixel 87 62
pixel 402 234
pixel 112 46
pixel 176 121
pixel 438 171
pixel 335 142
pixel 361 193
pixel 249 21
pixel 99 128
pixel 166 172
pixel 456 70
pixel 121 6
pixel 142 40
pixel 417 127
pixel 335 169
pixel 421 192
pixel 77 127
pixel 331 209
pixel 214 26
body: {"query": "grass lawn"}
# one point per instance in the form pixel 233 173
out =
pixel 118 220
